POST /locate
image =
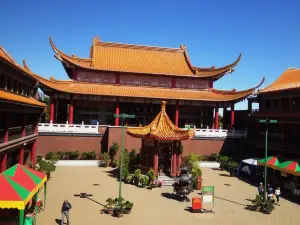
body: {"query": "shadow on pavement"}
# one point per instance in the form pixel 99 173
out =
pixel 227 200
pixel 170 196
pixel 58 221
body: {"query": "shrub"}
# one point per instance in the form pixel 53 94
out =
pixel 125 159
pixel 214 157
pixel 151 175
pixel 181 149
pixel 223 161
pixel 113 150
pixel 137 176
pixel 125 173
pixel 60 154
pixel 49 155
pixel 259 205
pixel 88 155
pixel 46 166
pixel 39 158
pixel 55 158
pixel 144 181
pixel 105 156
pixel 133 160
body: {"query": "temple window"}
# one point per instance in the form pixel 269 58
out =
pixel 16 86
pixel 285 103
pixel 2 81
pixel 276 104
pixel 296 103
pixel 267 104
pixel 9 84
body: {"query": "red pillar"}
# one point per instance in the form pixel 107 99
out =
pixel 33 153
pixel 232 116
pixel 7 125
pixel 21 156
pixel 3 162
pixel 174 164
pixel 71 110
pixel 177 113
pixel 155 157
pixel 52 109
pixel 217 117
pixel 178 157
pixel 24 125
pixel 117 119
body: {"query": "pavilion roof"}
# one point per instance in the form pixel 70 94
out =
pixel 289 80
pixel 75 87
pixel 129 58
pixel 161 128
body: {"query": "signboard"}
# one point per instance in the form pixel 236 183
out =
pixel 208 193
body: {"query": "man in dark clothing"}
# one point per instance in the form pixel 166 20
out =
pixel 260 189
pixel 270 192
pixel 66 206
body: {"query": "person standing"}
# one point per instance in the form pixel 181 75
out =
pixel 277 194
pixel 66 206
pixel 260 189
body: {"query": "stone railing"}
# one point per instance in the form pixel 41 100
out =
pixel 220 133
pixel 68 128
pixel 14 133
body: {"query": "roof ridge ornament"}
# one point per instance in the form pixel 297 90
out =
pixel 163 106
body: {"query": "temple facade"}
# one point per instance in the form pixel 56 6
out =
pixel 19 113
pixel 133 79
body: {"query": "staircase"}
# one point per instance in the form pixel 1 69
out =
pixel 166 181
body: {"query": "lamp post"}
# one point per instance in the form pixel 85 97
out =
pixel 266 121
pixel 122 116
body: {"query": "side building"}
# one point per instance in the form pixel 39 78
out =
pixel 19 113
pixel 279 101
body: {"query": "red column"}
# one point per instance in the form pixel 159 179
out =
pixel 71 110
pixel 24 125
pixel 117 119
pixel 232 116
pixel 177 113
pixel 33 153
pixel 7 125
pixel 174 166
pixel 3 162
pixel 21 156
pixel 52 109
pixel 155 157
pixel 217 118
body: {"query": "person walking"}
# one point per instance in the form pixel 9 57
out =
pixel 260 189
pixel 270 192
pixel 66 206
pixel 277 194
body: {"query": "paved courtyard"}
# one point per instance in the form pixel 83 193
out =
pixel 150 207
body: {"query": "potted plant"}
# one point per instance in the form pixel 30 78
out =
pixel 258 204
pixel 113 152
pixel 223 161
pixel 125 173
pixel 128 207
pixel 128 179
pixel 151 175
pixel 119 207
pixel 144 181
pixel 232 166
pixel 137 177
pixel 109 207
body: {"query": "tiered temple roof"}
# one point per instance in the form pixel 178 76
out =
pixel 75 87
pixel 289 80
pixel 161 128
pixel 137 59
pixel 9 96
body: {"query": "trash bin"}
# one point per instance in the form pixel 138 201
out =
pixel 199 183
pixel 196 204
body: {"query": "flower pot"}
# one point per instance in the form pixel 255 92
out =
pixel 109 211
pixel 127 211
pixel 118 213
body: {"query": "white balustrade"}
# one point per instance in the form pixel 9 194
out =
pixel 220 133
pixel 68 128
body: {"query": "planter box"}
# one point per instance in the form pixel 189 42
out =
pixel 208 164
pixel 88 163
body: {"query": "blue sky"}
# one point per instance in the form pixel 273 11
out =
pixel 215 32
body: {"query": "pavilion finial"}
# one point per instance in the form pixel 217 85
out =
pixel 163 105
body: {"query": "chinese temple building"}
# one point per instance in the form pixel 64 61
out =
pixel 133 79
pixel 19 113
pixel 280 101
pixel 161 143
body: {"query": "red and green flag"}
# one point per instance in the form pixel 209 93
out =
pixel 272 162
pixel 292 167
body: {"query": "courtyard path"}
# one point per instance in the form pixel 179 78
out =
pixel 150 207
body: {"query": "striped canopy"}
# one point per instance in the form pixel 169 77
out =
pixel 272 162
pixel 18 185
pixel 290 167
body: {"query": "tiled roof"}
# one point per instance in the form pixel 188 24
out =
pixel 11 97
pixel 161 128
pixel 106 56
pixel 76 87
pixel 289 80
pixel 8 96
